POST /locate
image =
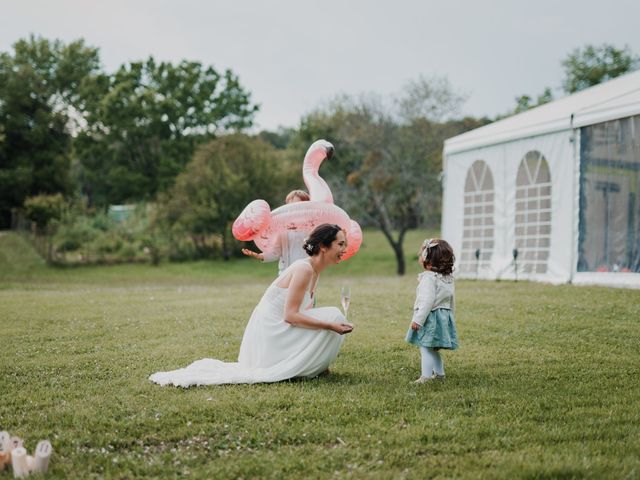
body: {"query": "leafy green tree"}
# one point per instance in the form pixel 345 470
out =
pixel 280 139
pixel 388 162
pixel 545 97
pixel 594 64
pixel 583 68
pixel 145 121
pixel 224 176
pixel 38 108
pixel 43 209
pixel 525 102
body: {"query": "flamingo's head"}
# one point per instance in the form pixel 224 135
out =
pixel 330 150
pixel 317 152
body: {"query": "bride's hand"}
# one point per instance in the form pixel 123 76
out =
pixel 341 328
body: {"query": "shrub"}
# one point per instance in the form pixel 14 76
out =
pixel 43 209
pixel 71 236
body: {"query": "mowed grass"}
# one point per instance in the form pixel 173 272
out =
pixel 544 385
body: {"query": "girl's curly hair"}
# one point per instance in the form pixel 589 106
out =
pixel 438 255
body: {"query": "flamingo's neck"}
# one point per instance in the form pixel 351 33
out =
pixel 319 191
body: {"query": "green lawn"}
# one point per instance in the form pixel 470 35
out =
pixel 545 384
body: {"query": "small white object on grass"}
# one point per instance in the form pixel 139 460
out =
pixel 19 462
pixel 5 449
pixel 43 453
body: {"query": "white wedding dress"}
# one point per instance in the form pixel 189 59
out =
pixel 272 350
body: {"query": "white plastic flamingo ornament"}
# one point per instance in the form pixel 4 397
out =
pixel 258 223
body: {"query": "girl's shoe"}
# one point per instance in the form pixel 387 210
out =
pixel 424 379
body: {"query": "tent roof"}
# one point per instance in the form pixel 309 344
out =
pixel 616 98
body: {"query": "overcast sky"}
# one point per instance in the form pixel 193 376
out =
pixel 292 55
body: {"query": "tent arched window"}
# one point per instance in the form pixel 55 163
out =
pixel 533 213
pixel 478 224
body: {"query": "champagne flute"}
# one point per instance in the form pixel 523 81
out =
pixel 345 299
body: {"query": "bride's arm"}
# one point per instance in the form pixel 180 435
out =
pixel 301 276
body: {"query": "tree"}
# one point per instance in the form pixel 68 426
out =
pixel 386 171
pixel 224 176
pixel 280 139
pixel 525 102
pixel 45 211
pixel 38 105
pixel 591 65
pixel 145 121
pixel 430 98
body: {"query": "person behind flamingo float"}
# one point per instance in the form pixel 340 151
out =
pixel 259 224
pixel 283 339
pixel 288 249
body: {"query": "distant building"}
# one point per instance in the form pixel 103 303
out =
pixel 120 213
pixel 551 194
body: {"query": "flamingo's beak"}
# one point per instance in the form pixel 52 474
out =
pixel 329 152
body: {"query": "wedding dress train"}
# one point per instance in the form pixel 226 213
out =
pixel 272 350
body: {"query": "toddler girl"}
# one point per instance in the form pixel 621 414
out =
pixel 433 326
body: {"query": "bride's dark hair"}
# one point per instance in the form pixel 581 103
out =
pixel 323 234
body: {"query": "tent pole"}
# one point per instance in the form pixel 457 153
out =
pixel 575 140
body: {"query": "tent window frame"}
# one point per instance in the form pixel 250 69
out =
pixel 533 213
pixel 478 219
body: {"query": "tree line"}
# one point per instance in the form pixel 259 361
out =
pixel 69 127
pixel 75 139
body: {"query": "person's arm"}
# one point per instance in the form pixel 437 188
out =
pixel 425 298
pixel 275 253
pixel 264 256
pixel 301 276
pixel 252 254
pixel 453 304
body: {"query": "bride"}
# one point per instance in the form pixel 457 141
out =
pixel 284 338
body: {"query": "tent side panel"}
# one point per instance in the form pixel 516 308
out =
pixel 532 204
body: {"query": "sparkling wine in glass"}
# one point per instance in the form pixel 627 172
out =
pixel 345 299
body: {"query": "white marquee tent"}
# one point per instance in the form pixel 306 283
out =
pixel 551 194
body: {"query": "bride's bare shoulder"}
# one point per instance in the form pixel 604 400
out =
pixel 302 266
pixel 300 269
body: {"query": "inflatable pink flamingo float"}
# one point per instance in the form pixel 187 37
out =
pixel 258 223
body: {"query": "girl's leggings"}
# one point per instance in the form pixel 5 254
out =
pixel 431 362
